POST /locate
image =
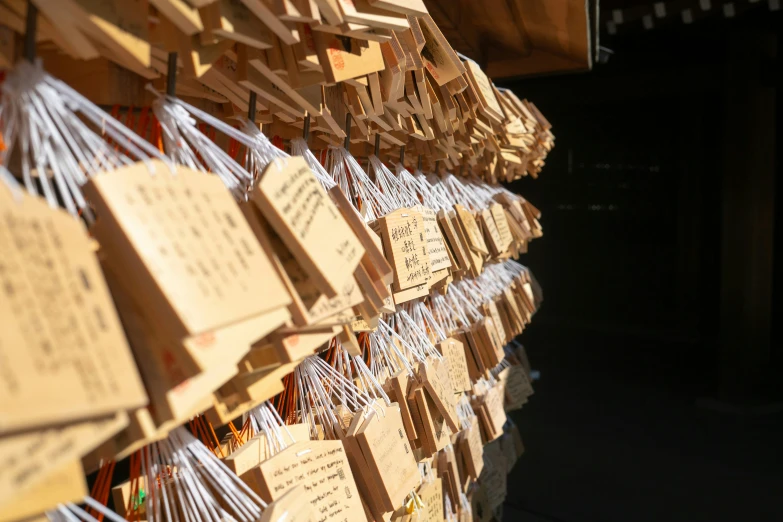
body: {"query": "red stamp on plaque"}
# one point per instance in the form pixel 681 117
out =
pixel 336 55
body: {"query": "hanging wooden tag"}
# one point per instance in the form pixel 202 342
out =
pixel 492 311
pixel 499 215
pixel 472 449
pixel 120 27
pixel 175 383
pixel 453 241
pixel 294 343
pixel 59 329
pixel 290 508
pixel 196 262
pixel 307 221
pixel 476 259
pixel 322 468
pixel 436 379
pixel 432 422
pixel 493 478
pixel 493 402
pixel 366 481
pixel 474 235
pixel 402 232
pixel 431 494
pixel 63 484
pixel 388 453
pixel 436 246
pixel 370 241
pixel 474 354
pixel 345 58
pixel 516 386
pixel 453 352
pixel 488 103
pixel 401 384
pixel 26 459
pixel 482 510
pixel 362 12
pixel 491 233
pixel 492 341
pixel 309 305
pixel 479 338
pixel 439 58
pixel 447 469
pixel 256 450
pixel 513 307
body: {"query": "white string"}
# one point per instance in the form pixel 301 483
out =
pixel 357 185
pixel 396 192
pixel 45 124
pixel 299 147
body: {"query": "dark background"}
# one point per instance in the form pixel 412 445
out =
pixel 660 396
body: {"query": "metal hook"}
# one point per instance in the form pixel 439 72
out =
pixel 418 166
pixel 171 79
pixel 347 142
pixel 306 127
pixel 377 145
pixel 31 27
pixel 251 107
pixel 402 155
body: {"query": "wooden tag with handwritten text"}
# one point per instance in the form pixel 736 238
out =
pixel 403 237
pixel 308 222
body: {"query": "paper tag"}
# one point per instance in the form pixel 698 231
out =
pixel 183 240
pixel 322 468
pixel 59 329
pixel 453 353
pixel 403 237
pixel 436 246
pixel 308 222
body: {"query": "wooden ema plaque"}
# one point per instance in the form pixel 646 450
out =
pixel 59 329
pixel 402 232
pixel 27 458
pixel 308 222
pixel 387 452
pixel 436 245
pixel 321 468
pixel 185 241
